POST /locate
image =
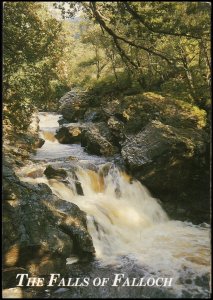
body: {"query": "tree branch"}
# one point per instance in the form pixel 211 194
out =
pixel 141 19
pixel 117 37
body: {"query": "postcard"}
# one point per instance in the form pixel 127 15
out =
pixel 106 149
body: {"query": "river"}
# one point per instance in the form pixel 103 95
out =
pixel 132 234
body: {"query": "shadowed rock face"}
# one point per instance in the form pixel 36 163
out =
pixel 51 172
pixel 61 175
pixel 70 133
pixel 73 106
pixel 39 142
pixel 161 153
pixel 95 137
pixel 40 230
pixel 98 139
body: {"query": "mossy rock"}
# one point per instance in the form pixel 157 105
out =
pixel 51 172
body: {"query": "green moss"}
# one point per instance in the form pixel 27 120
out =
pixel 170 111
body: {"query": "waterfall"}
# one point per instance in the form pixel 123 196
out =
pixel 124 220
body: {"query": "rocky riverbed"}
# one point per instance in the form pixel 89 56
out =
pixel 84 174
pixel 163 142
pixel 39 229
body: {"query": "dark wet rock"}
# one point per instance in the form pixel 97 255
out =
pixel 161 153
pixel 70 133
pixel 104 170
pixel 79 189
pixel 56 173
pixel 62 121
pixel 72 221
pixel 70 164
pixel 41 230
pixel 119 162
pixel 64 172
pixel 9 274
pixel 78 186
pixel 97 139
pixel 39 142
pixel 73 106
pixel 7 170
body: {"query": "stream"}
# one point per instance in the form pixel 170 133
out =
pixel 131 232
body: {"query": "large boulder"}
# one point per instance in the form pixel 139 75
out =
pixel 163 156
pixel 97 139
pixel 73 106
pixel 70 133
pixel 62 175
pixel 56 173
pixel 138 110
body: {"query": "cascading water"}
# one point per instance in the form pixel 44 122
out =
pixel 123 218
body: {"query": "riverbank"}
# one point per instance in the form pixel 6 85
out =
pixel 38 235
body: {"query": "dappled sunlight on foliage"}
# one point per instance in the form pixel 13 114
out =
pixel 107 49
pixel 163 47
pixel 32 50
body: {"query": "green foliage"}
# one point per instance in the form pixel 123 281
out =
pixel 108 48
pixel 164 46
pixel 32 49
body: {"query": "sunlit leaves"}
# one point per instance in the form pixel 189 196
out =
pixel 32 49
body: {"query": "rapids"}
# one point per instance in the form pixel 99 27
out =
pixel 123 218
